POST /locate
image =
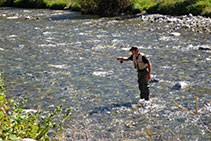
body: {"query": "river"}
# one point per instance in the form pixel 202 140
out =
pixel 61 57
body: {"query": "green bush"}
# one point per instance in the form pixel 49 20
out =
pixel 75 6
pixel 30 3
pixel 202 7
pixel 17 124
pixel 170 7
pixel 2 2
pixel 52 4
pixel 182 7
pixel 57 4
pixel 139 6
pixel 104 7
pixel 6 2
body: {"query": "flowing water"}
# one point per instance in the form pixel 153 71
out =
pixel 63 57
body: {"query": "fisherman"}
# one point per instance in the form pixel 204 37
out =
pixel 143 66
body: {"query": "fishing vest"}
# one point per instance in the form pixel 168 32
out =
pixel 138 62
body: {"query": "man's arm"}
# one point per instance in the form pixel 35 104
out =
pixel 146 61
pixel 149 69
pixel 123 58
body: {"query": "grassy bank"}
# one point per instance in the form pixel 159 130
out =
pixel 172 7
pixel 117 7
pixel 168 7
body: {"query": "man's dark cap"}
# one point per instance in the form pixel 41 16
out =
pixel 133 48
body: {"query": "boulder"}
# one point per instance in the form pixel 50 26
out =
pixel 154 80
pixel 204 48
pixel 180 85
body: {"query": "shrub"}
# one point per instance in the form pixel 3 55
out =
pixel 171 7
pixel 75 6
pixel 88 6
pixel 104 7
pixel 202 7
pixel 17 124
pixel 140 5
pixel 30 3
pixel 57 4
pixel 6 2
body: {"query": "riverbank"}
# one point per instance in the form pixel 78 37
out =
pixel 117 8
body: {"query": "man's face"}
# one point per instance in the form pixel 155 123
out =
pixel 133 52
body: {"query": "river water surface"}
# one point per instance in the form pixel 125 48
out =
pixel 63 57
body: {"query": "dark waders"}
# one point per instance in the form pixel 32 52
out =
pixel 143 84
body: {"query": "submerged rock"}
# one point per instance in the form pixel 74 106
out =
pixel 175 34
pixel 154 81
pixel 204 48
pixel 180 85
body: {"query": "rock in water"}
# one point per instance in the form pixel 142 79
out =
pixel 204 48
pixel 175 34
pixel 179 86
pixel 154 81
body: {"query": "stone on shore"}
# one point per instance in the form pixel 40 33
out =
pixel 188 22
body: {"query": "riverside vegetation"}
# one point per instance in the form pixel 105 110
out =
pixel 18 123
pixel 117 7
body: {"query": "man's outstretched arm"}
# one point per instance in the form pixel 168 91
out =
pixel 123 58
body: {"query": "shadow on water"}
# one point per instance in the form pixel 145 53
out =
pixel 104 109
pixel 73 16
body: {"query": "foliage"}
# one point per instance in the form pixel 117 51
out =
pixel 17 124
pixel 104 7
pixel 202 7
pixel 57 4
pixel 75 6
pixel 138 6
pixel 30 3
pixel 52 4
pixel 171 7
pixel 181 7
pixel 6 2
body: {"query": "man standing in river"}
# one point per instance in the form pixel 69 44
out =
pixel 143 66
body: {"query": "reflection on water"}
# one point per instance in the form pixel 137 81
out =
pixel 60 57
